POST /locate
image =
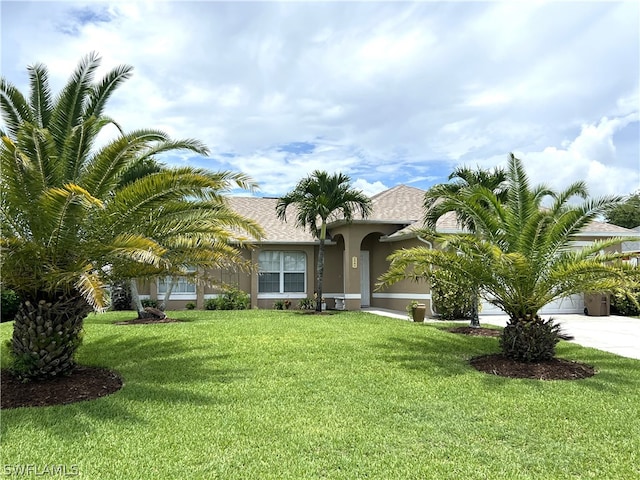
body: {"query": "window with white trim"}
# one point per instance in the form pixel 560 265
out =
pixel 282 272
pixel 182 285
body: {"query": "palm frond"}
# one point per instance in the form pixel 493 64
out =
pixel 92 289
pixel 62 210
pixel 14 107
pixel 69 105
pixel 176 145
pixel 100 93
pixel 103 171
pixel 41 100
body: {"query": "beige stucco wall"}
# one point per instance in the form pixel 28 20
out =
pixel 342 277
pixel 398 295
pixel 342 274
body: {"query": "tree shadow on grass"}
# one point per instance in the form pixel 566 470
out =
pixel 448 354
pixel 162 362
pixel 154 371
pixel 438 351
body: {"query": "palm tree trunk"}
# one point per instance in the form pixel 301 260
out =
pixel 46 336
pixel 135 298
pixel 320 274
pixel 475 320
pixel 167 294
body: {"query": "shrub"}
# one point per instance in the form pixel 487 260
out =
pixel 531 340
pixel 147 302
pixel 307 304
pixel 282 304
pixel 120 296
pixel 190 306
pixel 9 305
pixel 232 299
pixel 625 305
pixel 452 297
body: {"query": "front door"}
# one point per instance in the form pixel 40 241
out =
pixel 365 289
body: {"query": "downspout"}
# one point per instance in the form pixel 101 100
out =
pixel 423 240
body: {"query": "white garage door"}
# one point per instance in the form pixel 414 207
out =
pixel 572 304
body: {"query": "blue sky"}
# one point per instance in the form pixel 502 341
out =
pixel 386 92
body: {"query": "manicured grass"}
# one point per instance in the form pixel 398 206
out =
pixel 279 395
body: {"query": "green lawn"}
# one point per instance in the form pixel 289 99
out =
pixel 276 395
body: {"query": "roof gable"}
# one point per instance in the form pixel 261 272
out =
pixel 400 204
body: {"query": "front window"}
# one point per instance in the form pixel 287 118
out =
pixel 180 285
pixel 282 272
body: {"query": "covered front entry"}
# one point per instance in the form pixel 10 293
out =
pixel 365 282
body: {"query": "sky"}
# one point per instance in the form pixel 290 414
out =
pixel 388 93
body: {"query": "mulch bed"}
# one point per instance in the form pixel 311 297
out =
pixel 498 364
pixel 476 332
pixel 85 383
pixel 314 312
pixel 146 321
pixel 554 369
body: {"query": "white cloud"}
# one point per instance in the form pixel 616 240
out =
pixel 590 157
pixel 389 92
pixel 368 188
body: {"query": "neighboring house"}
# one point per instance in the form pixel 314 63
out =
pixel 355 256
pixel 633 248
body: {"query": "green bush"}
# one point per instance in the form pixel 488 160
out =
pixel 282 304
pixel 190 306
pixel 628 306
pixel 307 304
pixel 452 297
pixel 120 296
pixel 147 302
pixel 531 340
pixel 232 299
pixel 9 305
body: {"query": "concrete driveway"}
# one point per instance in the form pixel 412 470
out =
pixel 619 335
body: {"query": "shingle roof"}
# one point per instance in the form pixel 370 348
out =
pixel 401 204
pixel 263 211
pixel 608 229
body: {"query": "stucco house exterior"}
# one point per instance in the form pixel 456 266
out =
pixel 633 248
pixel 355 256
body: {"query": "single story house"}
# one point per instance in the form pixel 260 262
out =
pixel 633 248
pixel 355 256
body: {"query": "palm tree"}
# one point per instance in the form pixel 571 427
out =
pixel 440 199
pixel 71 223
pixel 444 198
pixel 521 256
pixel 317 197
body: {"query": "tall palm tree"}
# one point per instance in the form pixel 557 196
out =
pixel 522 256
pixel 445 197
pixel 70 222
pixel 316 198
pixel 441 198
